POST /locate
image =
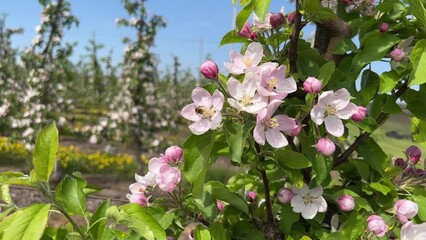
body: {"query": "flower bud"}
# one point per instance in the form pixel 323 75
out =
pixel 252 195
pixel 414 154
pixel 325 146
pixel 253 36
pixel 220 205
pixel 377 225
pixel 296 131
pixel 246 30
pixel 347 2
pixel 291 18
pixel 409 170
pixel 276 20
pixel 360 115
pixel 138 198
pixel 209 69
pixel 398 55
pixel 285 195
pixel 173 154
pixel 420 173
pixel 384 27
pixel 346 203
pixel 399 162
pixel 405 209
pixel 312 85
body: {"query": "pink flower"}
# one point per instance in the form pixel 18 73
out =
pixel 205 111
pixel 240 63
pixel 291 18
pixel 247 32
pixel 325 146
pixel 312 85
pixel 414 153
pixel 244 96
pixel 346 203
pixel 173 154
pixel 209 69
pixel 376 225
pixel 155 164
pixel 270 128
pixel 411 231
pixel 262 25
pixel 296 131
pixel 331 108
pixel 276 20
pixel 220 205
pixel 360 115
pixel 308 201
pixel 398 55
pixel 273 81
pixel 138 198
pixel 252 195
pixel 168 178
pixel 405 209
pixel 285 195
pixel 384 27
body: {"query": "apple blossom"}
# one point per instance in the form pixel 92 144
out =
pixel 137 194
pixel 270 128
pixel 325 146
pixel 205 111
pixel 398 55
pixel 384 27
pixel 240 63
pixel 209 69
pixel 377 225
pixel 360 115
pixel 244 96
pixel 168 178
pixel 247 32
pixel 276 20
pixel 308 201
pixel 312 85
pixel 173 154
pixel 405 209
pixel 413 153
pixel 147 180
pixel 346 203
pixel 262 25
pixel 155 164
pixel 411 231
pixel 252 195
pixel 331 108
pixel 285 195
pixel 273 81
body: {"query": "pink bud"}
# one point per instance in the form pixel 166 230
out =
pixel 291 18
pixel 246 30
pixel 170 238
pixel 346 203
pixel 285 195
pixel 138 198
pixel 168 178
pixel 377 225
pixel 253 36
pixel 398 55
pixel 399 162
pixel 405 209
pixel 325 146
pixel 252 195
pixel 312 85
pixel 220 205
pixel 173 154
pixel 409 170
pixel 414 154
pixel 384 27
pixel 276 20
pixel 347 2
pixel 360 115
pixel 296 130
pixel 209 69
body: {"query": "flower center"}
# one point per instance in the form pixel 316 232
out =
pixel 247 62
pixel 308 199
pixel 246 101
pixel 330 110
pixel 272 84
pixel 204 112
pixel 272 123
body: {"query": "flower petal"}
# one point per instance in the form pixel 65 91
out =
pixel 316 192
pixel 287 85
pixel 217 100
pixel 309 211
pixel 321 204
pixel 235 88
pixel 235 104
pixel 155 164
pixel 216 120
pixel 189 113
pixel 334 125
pixel 297 203
pixel 276 138
pixel 259 134
pixel 347 112
pixel 286 124
pixel 317 114
pixel 200 127
pixel 202 97
pixel 341 98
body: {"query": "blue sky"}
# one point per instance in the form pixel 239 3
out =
pixel 188 23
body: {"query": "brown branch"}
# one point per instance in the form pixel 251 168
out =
pixel 337 29
pixel 364 136
pixel 292 53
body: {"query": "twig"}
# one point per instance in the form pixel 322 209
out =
pixel 292 53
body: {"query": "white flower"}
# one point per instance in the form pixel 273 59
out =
pixel 308 201
pixel 412 231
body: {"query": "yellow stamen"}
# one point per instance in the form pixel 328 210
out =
pixel 204 112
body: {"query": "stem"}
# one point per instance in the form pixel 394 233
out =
pixel 270 216
pixel 292 53
pixel 361 138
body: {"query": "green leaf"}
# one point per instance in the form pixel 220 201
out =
pixel 391 106
pixel 354 227
pixel 418 10
pixel 29 223
pixel 165 219
pixel 243 15
pixel 261 8
pixel 71 196
pixel 325 72
pixel 311 6
pixel 369 124
pixel 323 14
pixel 196 152
pixel 307 67
pixel 5 194
pixel 322 166
pixel 142 222
pixel 202 233
pixel 97 223
pixel 221 192
pixel 419 195
pixel 217 231
pixel 418 130
pixel 45 153
pixel 15 178
pixel 418 58
pixel 293 160
pixel 232 37
pixel 345 45
pixel 380 188
pixel 388 81
pixel 288 218
pixel 416 102
pixel 369 86
pixel 373 154
pixel 236 138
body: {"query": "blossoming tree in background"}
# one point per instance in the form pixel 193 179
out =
pixel 293 119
